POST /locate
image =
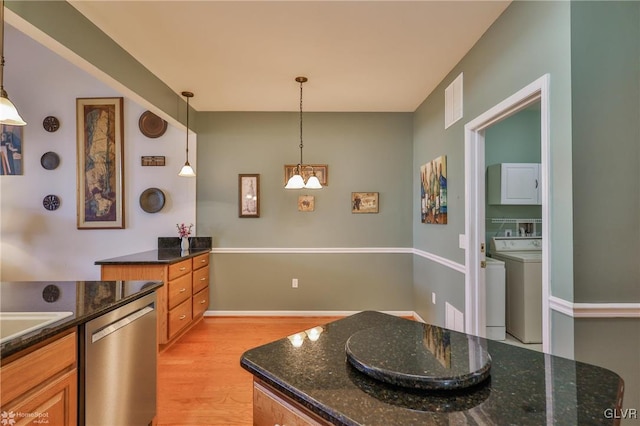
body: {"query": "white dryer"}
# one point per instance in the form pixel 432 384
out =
pixel 523 266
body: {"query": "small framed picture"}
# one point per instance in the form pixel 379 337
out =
pixel 249 195
pixel 364 202
pixel 306 203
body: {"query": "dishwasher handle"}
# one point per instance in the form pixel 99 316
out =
pixel 117 325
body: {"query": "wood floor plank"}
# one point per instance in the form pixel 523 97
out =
pixel 200 381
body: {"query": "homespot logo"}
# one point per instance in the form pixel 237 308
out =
pixel 10 418
pixel 620 413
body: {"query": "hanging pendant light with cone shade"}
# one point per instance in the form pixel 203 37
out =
pixel 9 114
pixel 187 170
pixel 297 181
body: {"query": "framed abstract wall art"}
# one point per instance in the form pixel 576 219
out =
pixel 249 195
pixel 11 150
pixel 433 191
pixel 100 179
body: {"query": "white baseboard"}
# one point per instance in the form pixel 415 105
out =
pixel 302 314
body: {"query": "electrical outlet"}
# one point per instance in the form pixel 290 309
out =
pixel 433 298
pixel 294 283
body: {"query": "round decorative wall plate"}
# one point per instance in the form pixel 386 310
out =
pixel 51 202
pixel 151 125
pixel 152 200
pixel 51 123
pixel 51 293
pixel 50 160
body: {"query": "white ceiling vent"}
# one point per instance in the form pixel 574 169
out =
pixel 453 102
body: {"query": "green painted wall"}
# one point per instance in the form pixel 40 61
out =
pixel 529 40
pixel 613 343
pixel 513 140
pixel 606 156
pixel 365 152
pixel 606 150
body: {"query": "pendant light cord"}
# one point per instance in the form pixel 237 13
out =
pixel 301 82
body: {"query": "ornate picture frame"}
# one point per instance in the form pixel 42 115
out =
pixel 321 171
pixel 249 195
pixel 100 163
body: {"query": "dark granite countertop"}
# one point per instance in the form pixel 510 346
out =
pixel 161 256
pixel 168 252
pixel 524 387
pixel 85 300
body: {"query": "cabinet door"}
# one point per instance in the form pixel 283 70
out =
pixel 270 408
pixel 54 404
pixel 520 183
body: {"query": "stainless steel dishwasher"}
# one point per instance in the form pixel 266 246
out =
pixel 118 366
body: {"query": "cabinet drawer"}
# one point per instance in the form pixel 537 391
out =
pixel 200 302
pixel 179 290
pixel 200 261
pixel 179 317
pixel 178 269
pixel 200 279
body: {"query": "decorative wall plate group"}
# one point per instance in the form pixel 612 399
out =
pixel 50 161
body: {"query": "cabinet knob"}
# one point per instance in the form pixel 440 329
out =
pixel 182 290
pixel 183 268
pixel 203 261
pixel 202 302
pixel 203 279
pixel 183 316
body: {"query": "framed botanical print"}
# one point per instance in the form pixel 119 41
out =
pixel 249 195
pixel 100 178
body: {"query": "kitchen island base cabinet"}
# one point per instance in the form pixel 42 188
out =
pixel 271 407
pixel 183 299
pixel 41 387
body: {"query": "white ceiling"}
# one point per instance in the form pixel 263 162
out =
pixel 245 55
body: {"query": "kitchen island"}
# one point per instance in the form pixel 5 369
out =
pixel 306 379
pixel 49 332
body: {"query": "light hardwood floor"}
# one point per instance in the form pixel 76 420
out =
pixel 200 381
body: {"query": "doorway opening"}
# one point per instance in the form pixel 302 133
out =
pixel 475 261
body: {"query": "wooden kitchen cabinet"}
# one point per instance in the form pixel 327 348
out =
pixel 271 407
pixel 182 300
pixel 40 385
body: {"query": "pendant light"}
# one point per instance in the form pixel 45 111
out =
pixel 296 181
pixel 187 170
pixel 8 112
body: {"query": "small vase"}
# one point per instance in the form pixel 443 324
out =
pixel 184 244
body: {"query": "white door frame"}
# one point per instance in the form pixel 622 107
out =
pixel 475 299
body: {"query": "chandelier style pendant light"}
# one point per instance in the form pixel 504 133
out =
pixel 8 112
pixel 296 181
pixel 187 170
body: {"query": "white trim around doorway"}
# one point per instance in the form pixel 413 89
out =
pixel 475 301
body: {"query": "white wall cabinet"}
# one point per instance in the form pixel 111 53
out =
pixel 514 183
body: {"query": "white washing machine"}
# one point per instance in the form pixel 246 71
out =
pixel 496 299
pixel 523 266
